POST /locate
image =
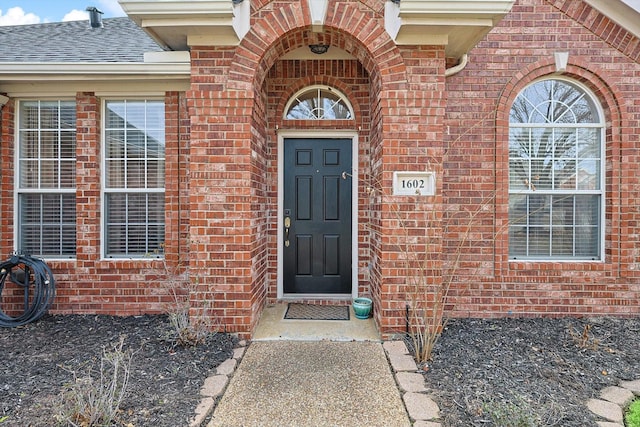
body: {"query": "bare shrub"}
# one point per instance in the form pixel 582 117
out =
pixel 584 339
pixel 427 296
pixel 429 274
pixel 188 329
pixel 90 400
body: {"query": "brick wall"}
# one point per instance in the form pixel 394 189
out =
pixel 12 299
pixel 90 284
pixel 520 49
pixel 222 181
pixel 7 177
pixel 409 239
pixel 405 111
pixel 226 97
pixel 221 187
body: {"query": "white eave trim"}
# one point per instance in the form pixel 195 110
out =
pixel 23 71
pixel 178 8
pixel 620 13
pixel 173 22
pixel 452 8
pixel 457 24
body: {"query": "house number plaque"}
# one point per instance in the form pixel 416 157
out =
pixel 414 184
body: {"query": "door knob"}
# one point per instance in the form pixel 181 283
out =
pixel 287 225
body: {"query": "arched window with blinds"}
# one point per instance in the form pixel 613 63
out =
pixel 556 173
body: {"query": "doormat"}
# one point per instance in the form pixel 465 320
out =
pixel 316 312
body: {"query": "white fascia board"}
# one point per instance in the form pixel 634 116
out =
pixel 417 36
pixel 172 22
pixel 444 23
pixel 213 39
pixel 177 8
pixel 19 79
pixel 186 22
pixel 620 13
pixel 167 57
pixel 457 24
pixel 60 70
pixel 106 87
pixel 453 8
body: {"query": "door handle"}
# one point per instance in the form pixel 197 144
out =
pixel 287 225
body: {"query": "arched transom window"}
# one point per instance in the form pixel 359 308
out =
pixel 556 165
pixel 318 103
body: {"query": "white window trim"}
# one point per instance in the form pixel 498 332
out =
pixel 103 179
pixel 294 99
pixel 603 168
pixel 16 178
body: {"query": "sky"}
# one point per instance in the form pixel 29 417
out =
pixel 19 12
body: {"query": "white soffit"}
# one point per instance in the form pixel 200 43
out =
pixel 84 76
pixel 176 24
pixel 620 13
pixel 458 24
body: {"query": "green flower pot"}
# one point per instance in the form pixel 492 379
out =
pixel 362 307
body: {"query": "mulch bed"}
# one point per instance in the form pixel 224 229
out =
pixel 508 372
pixel 39 359
pixel 530 372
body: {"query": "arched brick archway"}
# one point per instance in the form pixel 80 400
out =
pixel 229 119
pixel 282 30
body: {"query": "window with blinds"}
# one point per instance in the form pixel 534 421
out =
pixel 134 178
pixel 46 178
pixel 556 180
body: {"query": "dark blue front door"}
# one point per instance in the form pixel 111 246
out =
pixel 317 216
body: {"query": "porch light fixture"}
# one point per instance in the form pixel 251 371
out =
pixel 319 49
pixel 237 1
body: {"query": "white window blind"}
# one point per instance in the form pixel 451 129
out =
pixel 556 165
pixel 46 171
pixel 134 177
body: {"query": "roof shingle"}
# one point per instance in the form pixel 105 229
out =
pixel 121 40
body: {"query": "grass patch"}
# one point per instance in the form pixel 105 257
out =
pixel 632 417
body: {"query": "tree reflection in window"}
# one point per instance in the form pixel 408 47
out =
pixel 318 103
pixel 555 172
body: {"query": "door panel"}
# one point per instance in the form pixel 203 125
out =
pixel 317 251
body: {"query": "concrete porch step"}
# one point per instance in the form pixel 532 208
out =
pixel 273 326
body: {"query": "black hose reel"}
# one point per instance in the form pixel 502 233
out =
pixel 36 278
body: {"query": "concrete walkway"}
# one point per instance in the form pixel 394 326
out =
pixel 285 383
pixel 306 373
pixel 316 373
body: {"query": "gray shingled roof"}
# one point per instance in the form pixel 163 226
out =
pixel 121 40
